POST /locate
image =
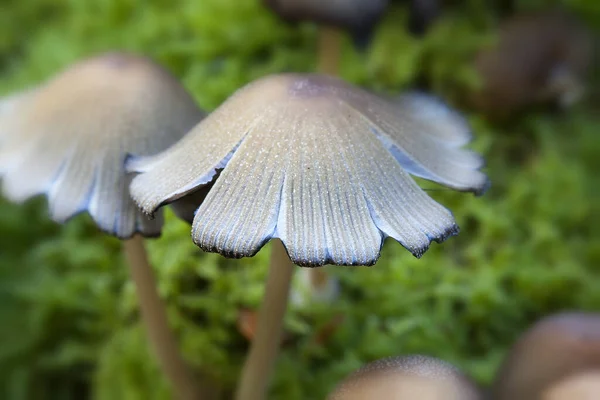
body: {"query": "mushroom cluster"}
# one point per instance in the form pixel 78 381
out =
pixel 310 160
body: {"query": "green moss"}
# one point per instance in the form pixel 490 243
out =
pixel 527 248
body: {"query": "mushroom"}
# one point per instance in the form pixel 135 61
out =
pixel 319 165
pixel 407 378
pixel 554 349
pixel 68 139
pixel 357 16
pixel 540 57
pixel 582 386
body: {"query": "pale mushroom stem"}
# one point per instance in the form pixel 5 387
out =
pixel 330 50
pixel 154 316
pixel 256 372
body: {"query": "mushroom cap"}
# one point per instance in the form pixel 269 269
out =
pixel 581 386
pixel 406 378
pixel 69 138
pixel 539 57
pixel 553 349
pixel 355 15
pixel 321 165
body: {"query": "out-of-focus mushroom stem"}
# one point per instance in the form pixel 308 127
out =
pixel 330 49
pixel 256 372
pixel 154 317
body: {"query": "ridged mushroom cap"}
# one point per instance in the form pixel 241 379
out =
pixel 69 138
pixel 356 15
pixel 321 165
pixel 406 378
pixel 552 350
pixel 581 386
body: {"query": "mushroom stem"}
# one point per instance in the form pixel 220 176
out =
pixel 265 346
pixel 330 49
pixel 154 316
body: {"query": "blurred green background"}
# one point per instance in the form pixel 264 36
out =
pixel 69 327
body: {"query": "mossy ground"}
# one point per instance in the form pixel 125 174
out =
pixel 529 247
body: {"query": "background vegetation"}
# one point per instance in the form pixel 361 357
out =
pixel 529 247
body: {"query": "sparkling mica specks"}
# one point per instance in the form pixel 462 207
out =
pixel 321 165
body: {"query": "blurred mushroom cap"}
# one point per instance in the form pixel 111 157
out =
pixel 358 16
pixel 553 349
pixel 69 138
pixel 581 386
pixel 406 378
pixel 320 164
pixel 539 57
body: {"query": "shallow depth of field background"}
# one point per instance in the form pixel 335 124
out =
pixel 69 327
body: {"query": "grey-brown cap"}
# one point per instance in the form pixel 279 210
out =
pixel 321 165
pixel 539 57
pixel 553 349
pixel 69 138
pixel 407 378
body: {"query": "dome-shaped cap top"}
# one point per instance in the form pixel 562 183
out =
pixel 581 386
pixel 553 349
pixel 317 163
pixel 69 137
pixel 406 378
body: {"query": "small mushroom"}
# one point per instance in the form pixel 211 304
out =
pixel 407 378
pixel 318 164
pixel 356 16
pixel 554 349
pixel 68 139
pixel 581 386
pixel 539 58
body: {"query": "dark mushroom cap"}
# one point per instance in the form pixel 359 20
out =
pixel 358 16
pixel 539 57
pixel 406 378
pixel 553 349
pixel 69 138
pixel 321 165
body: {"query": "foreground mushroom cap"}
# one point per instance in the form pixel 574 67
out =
pixel 581 386
pixel 69 138
pixel 406 378
pixel 321 165
pixel 552 350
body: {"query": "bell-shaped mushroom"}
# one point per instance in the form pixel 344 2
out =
pixel 554 349
pixel 68 139
pixel 319 164
pixel 407 378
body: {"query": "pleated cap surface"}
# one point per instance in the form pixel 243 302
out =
pixel 317 163
pixel 552 350
pixel 406 378
pixel 69 138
